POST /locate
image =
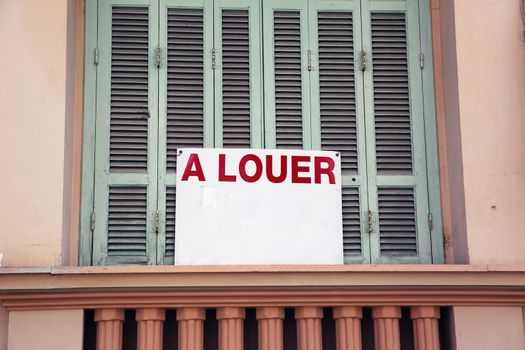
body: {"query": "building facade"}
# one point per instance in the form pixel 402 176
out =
pixel 423 99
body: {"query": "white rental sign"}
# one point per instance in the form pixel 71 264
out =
pixel 258 207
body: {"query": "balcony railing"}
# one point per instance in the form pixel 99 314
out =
pixel 270 324
pixel 346 307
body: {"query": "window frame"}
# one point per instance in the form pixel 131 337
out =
pixel 430 116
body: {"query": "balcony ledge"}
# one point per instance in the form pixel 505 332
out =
pixel 190 286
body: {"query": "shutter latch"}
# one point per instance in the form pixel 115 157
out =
pixel 421 60
pixel 95 56
pixel 212 58
pixel 158 56
pixel 309 58
pixel 157 221
pixel 92 221
pixel 370 227
pixel 363 61
pixel 430 222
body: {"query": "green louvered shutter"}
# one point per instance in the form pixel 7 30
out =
pixel 238 83
pixel 286 78
pixel 126 135
pixel 397 181
pixel 337 110
pixel 186 100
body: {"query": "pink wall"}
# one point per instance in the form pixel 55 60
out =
pixel 491 85
pixel 485 107
pixel 32 96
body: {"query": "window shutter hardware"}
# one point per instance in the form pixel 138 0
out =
pixel 212 58
pixel 370 224
pixel 157 222
pixel 430 222
pixel 158 56
pixel 309 53
pixel 421 60
pixel 92 221
pixel 363 61
pixel 95 56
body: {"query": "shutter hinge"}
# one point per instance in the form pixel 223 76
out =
pixel 370 227
pixel 430 222
pixel 157 221
pixel 421 60
pixel 95 55
pixel 92 221
pixel 363 61
pixel 158 55
pixel 212 58
pixel 309 58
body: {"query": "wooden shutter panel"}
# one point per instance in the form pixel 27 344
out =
pixel 169 246
pixel 186 101
pixel 127 222
pixel 337 110
pixel 352 238
pixel 185 81
pixel 393 134
pixel 398 193
pixel 128 147
pixel 238 84
pixel 126 135
pixel 287 112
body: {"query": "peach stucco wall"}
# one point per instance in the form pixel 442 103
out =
pixel 489 328
pixel 4 317
pixel 485 133
pixel 32 115
pixel 491 84
pixel 46 329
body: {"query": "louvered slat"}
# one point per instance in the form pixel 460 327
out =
pixel 397 221
pixel 127 218
pixel 129 90
pixel 170 221
pixel 235 78
pixel 337 86
pixel 288 86
pixel 351 222
pixel 185 96
pixel 391 94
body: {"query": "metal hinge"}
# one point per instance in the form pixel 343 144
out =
pixel 158 56
pixel 157 221
pixel 363 61
pixel 212 58
pixel 370 227
pixel 430 222
pixel 309 58
pixel 92 222
pixel 421 60
pixel 95 56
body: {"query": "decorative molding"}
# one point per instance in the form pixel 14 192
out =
pixel 261 286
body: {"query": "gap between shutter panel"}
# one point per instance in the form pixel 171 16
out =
pixel 393 134
pixel 185 81
pixel 288 82
pixel 351 222
pixel 169 250
pixel 337 87
pixel 235 78
pixel 129 90
pixel 127 223
pixel 397 221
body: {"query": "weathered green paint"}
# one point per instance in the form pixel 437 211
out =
pixel 96 177
pixel 88 137
pixel 269 6
pixel 103 177
pixel 429 112
pixel 348 179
